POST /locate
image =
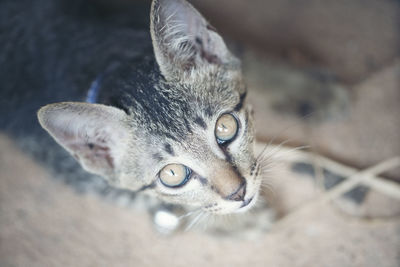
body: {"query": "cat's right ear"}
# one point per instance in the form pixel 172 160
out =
pixel 94 134
pixel 183 40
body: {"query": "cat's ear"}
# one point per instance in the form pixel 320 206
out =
pixel 94 134
pixel 183 40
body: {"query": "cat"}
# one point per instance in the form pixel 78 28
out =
pixel 166 115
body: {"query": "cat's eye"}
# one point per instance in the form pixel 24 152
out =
pixel 226 128
pixel 174 175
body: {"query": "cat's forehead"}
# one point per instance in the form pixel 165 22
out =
pixel 175 110
pixel 190 134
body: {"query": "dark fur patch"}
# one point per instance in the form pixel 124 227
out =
pixel 210 205
pixel 199 121
pixel 241 101
pixel 209 111
pixel 140 88
pixel 169 149
pixel 198 40
pixel 203 180
pixel 213 188
pixel 148 186
pixel 188 127
pixel 253 168
pixel 157 157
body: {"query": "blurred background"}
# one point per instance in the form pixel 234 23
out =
pixel 321 74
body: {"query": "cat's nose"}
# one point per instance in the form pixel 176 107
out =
pixel 227 181
pixel 239 194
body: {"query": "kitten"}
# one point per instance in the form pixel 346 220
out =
pixel 173 123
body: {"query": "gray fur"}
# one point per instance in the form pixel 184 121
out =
pixel 170 118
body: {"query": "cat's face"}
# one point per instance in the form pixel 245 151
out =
pixel 202 171
pixel 191 140
pixel 207 160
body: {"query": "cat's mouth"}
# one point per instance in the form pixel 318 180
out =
pixel 247 204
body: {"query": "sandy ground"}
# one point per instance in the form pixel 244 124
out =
pixel 45 223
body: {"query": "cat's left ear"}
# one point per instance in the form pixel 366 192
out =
pixel 96 135
pixel 183 40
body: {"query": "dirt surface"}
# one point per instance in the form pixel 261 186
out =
pixel 351 38
pixel 45 223
pixel 364 134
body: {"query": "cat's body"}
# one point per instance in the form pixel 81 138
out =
pixel 52 51
pixel 173 122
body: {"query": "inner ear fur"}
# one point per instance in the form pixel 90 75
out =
pixel 183 40
pixel 94 134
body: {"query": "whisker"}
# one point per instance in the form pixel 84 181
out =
pixel 277 147
pixel 205 221
pixel 188 213
pixel 266 161
pixel 296 149
pixel 287 128
pixel 201 219
pixel 265 158
pixel 194 221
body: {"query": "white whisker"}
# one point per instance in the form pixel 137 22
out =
pixel 194 221
pixel 188 213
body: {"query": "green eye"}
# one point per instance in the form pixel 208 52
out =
pixel 174 175
pixel 226 128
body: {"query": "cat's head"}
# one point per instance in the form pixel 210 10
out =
pixel 188 138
